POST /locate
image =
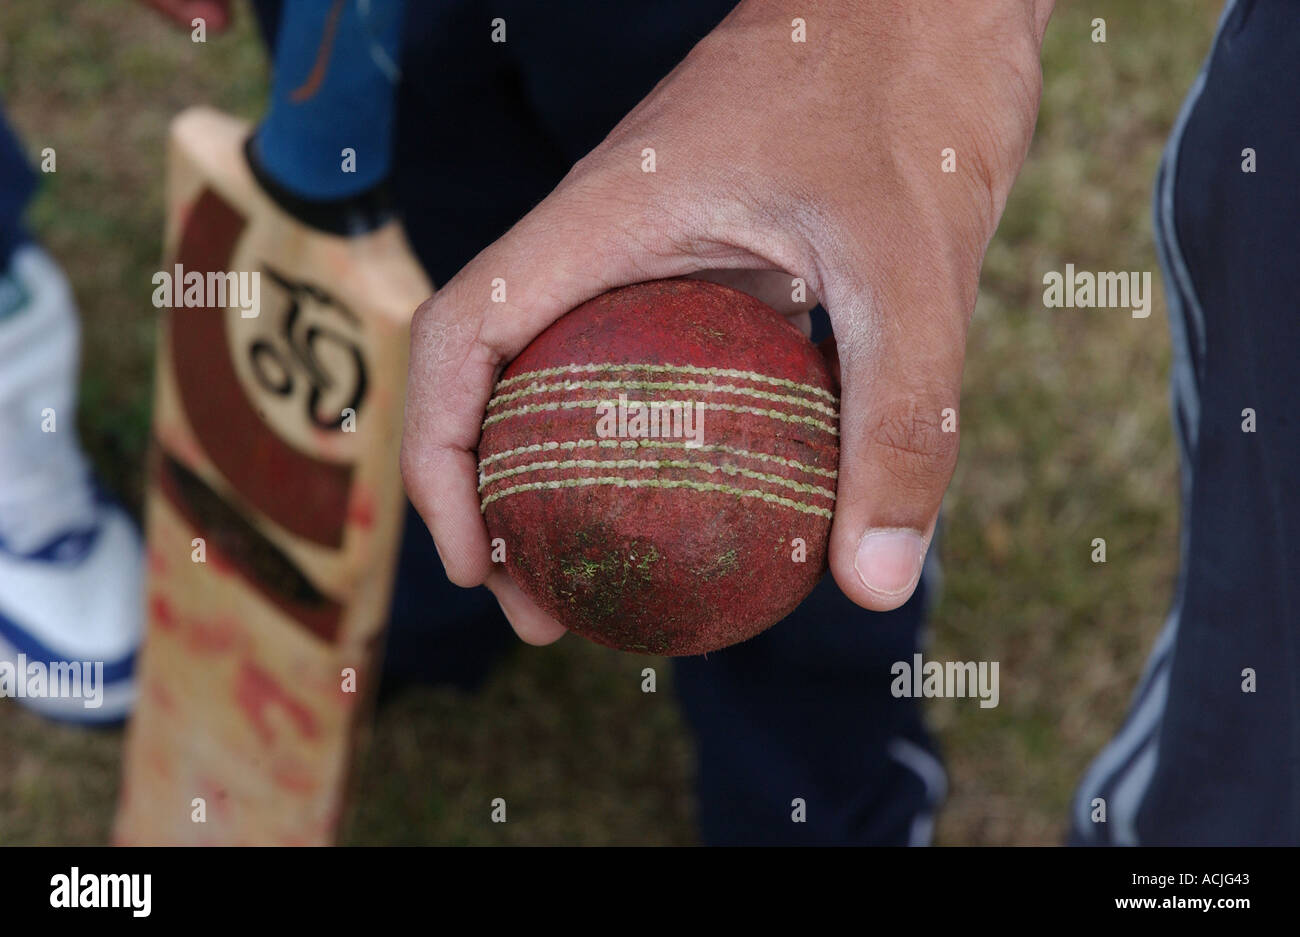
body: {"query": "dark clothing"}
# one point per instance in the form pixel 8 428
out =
pixel 17 183
pixel 1200 760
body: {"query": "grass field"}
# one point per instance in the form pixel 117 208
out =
pixel 1065 438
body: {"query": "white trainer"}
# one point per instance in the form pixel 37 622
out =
pixel 71 560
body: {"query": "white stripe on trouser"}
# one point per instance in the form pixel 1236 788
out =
pixel 1139 729
pixel 1128 793
pixel 1127 764
pixel 930 770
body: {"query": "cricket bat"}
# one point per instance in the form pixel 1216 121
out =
pixel 274 505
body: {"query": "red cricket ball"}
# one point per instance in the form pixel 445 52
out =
pixel 660 467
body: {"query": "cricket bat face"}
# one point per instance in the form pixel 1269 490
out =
pixel 274 505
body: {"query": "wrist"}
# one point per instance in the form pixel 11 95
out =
pixel 870 20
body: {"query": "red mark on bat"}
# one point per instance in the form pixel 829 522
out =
pixel 160 762
pixel 201 637
pixel 159 693
pixel 295 778
pixel 215 795
pixel 160 611
pixel 256 691
pixel 211 637
pixel 361 511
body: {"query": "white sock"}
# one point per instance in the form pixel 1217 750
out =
pixel 44 480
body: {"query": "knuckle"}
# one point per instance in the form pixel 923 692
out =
pixel 409 464
pixel 918 451
pixel 426 308
pixel 420 320
pixel 1000 138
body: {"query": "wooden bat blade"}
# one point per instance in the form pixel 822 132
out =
pixel 274 505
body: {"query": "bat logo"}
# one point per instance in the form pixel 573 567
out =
pixel 305 494
pixel 310 349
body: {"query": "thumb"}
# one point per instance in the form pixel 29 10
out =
pixel 900 390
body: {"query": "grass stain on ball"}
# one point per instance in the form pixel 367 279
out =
pixel 660 464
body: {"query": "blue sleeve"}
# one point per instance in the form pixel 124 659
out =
pixel 328 131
